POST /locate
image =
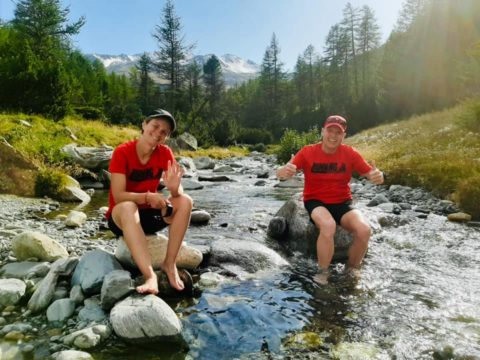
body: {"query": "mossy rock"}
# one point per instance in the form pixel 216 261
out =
pixel 17 174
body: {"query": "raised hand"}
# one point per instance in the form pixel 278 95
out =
pixel 172 177
pixel 375 175
pixel 288 170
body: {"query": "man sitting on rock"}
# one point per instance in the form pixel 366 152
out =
pixel 136 208
pixel 328 168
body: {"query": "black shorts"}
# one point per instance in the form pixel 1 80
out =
pixel 336 210
pixel 151 221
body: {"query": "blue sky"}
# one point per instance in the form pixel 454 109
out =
pixel 239 27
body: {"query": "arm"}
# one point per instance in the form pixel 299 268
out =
pixel 374 175
pixel 118 184
pixel 287 171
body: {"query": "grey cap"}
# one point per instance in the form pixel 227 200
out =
pixel 160 113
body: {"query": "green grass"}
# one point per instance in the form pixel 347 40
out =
pixel 216 152
pixel 438 151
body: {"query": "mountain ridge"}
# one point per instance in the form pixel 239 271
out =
pixel 235 69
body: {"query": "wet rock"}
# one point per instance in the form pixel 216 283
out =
pixel 35 244
pixel 377 200
pixel 89 337
pixel 144 319
pixel 204 162
pixel 92 269
pixel 459 217
pixel 200 217
pixel 294 182
pixel 210 279
pixel 214 178
pixel 71 355
pixel 250 256
pixel 91 311
pixel 301 234
pixel 223 168
pixel 11 291
pixel 188 257
pixel 189 184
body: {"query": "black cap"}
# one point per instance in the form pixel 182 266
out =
pixel 160 113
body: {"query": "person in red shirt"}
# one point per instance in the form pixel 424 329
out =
pixel 328 168
pixel 135 206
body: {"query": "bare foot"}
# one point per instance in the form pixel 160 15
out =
pixel 321 278
pixel 173 277
pixel 150 286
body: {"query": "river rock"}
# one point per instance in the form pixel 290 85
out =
pixel 31 244
pixel 223 168
pixel 91 311
pixel 189 184
pixel 204 162
pixel 11 291
pixel 459 217
pixel 144 319
pixel 92 269
pixel 200 217
pixel 60 310
pixel 71 355
pixel 75 218
pixel 188 257
pixel 25 270
pixel 251 256
pixel 293 182
pixel 45 291
pixel 292 226
pixel 117 285
pixel 73 192
pixel 89 337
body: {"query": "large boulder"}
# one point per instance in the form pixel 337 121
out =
pixel 89 157
pixel 187 141
pixel 92 269
pixel 188 257
pixel 11 291
pixel 144 319
pixel 292 226
pixel 32 244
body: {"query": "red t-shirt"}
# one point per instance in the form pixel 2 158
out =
pixel 140 178
pixel 327 176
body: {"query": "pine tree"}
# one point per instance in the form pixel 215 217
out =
pixel 214 84
pixel 172 51
pixel 145 87
pixel 410 10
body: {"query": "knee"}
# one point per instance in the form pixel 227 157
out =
pixel 327 228
pixel 185 202
pixel 125 209
pixel 363 232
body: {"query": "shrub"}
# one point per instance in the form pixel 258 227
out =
pixel 254 136
pixel 260 147
pixel 468 196
pixel 89 112
pixel 291 142
pixel 49 182
pixel 470 117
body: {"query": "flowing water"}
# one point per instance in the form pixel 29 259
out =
pixel 417 296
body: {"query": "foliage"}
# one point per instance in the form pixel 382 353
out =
pixel 50 182
pixel 292 141
pixel 254 136
pixel 89 112
pixel 470 118
pixel 216 152
pixel 468 195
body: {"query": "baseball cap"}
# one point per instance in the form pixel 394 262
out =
pixel 160 113
pixel 336 120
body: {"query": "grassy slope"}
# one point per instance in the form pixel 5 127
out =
pixel 436 151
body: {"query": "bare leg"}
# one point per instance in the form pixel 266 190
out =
pixel 325 246
pixel 125 215
pixel 182 209
pixel 354 222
